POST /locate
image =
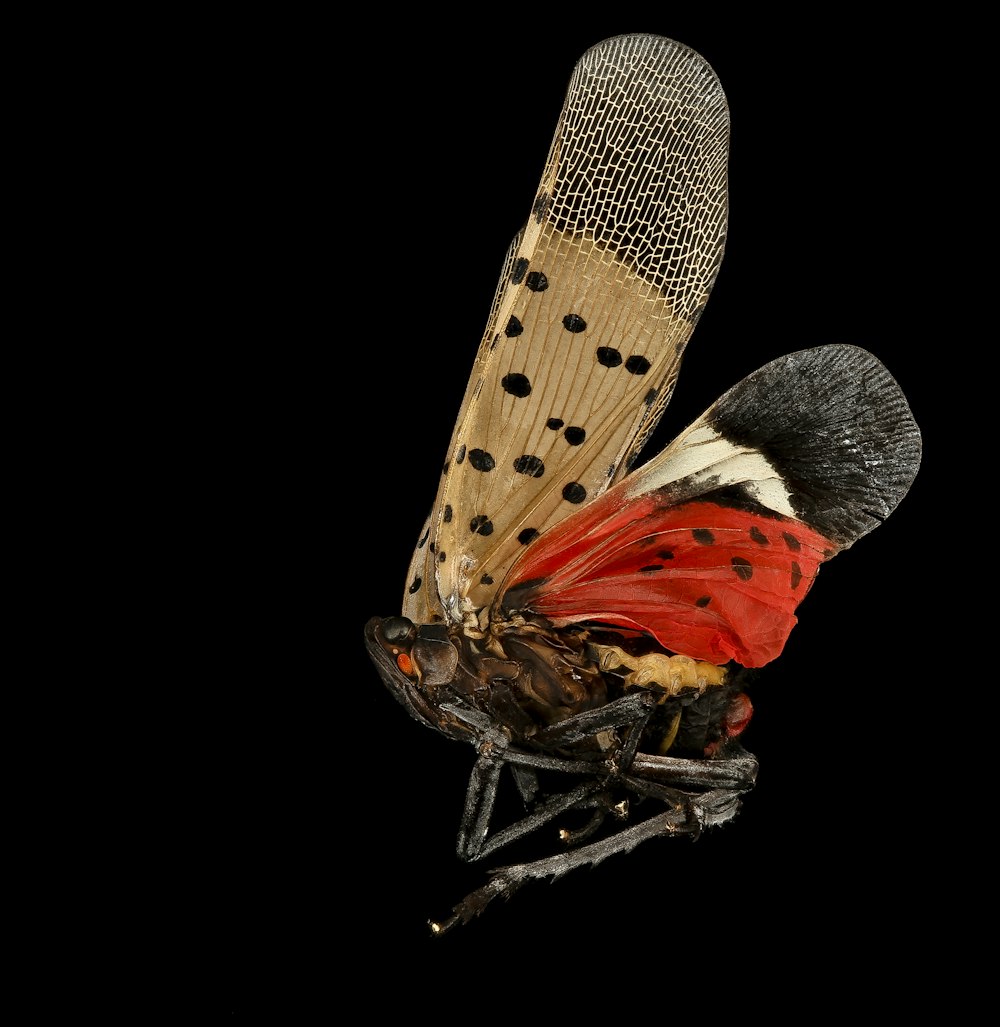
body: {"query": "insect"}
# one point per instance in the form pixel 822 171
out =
pixel 585 622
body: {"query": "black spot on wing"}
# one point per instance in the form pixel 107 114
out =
pixel 517 272
pixel 665 554
pixel 514 328
pixel 555 423
pixel 460 455
pixel 574 323
pixel 541 206
pixel 537 282
pixel 796 575
pixel 481 460
pixel 574 492
pixel 423 541
pixel 574 435
pixel 516 384
pixel 759 537
pixel 703 601
pixel 791 541
pixel 415 585
pixel 481 525
pixel 743 568
pixel 528 535
pixel 530 465
pixel 637 365
pixel 651 567
pixel 448 514
pixel 703 536
pixel 486 580
pixel 608 356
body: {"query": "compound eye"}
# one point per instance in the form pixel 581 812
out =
pixel 398 630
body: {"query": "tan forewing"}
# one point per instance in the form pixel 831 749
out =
pixel 599 295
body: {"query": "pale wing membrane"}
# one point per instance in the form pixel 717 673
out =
pixel 421 603
pixel 597 302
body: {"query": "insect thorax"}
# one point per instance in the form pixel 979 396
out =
pixel 528 676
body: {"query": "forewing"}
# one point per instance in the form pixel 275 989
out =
pixel 599 295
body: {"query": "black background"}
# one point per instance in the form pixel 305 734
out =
pixel 316 822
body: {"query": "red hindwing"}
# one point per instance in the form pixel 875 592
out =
pixel 711 582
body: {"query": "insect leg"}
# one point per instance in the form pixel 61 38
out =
pixel 625 711
pixel 736 770
pixel 481 795
pixel 494 752
pixel 712 808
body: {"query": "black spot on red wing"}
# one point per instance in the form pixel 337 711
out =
pixel 574 492
pixel 518 270
pixel 555 423
pixel 529 464
pixel 415 586
pixel 460 455
pixel 796 575
pixel 759 537
pixel 537 282
pixel 481 525
pixel 791 541
pixel 481 460
pixel 637 364
pixel 651 567
pixel 665 554
pixel 516 384
pixel 486 580
pixel 743 568
pixel 608 356
pixel 420 544
pixel 514 328
pixel 574 323
pixel 703 535
pixel 574 436
pixel 703 601
pixel 528 535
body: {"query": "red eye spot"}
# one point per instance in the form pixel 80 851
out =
pixel 405 664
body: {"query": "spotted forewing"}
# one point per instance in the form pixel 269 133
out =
pixel 598 296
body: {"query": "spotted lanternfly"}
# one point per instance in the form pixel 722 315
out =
pixel 586 625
